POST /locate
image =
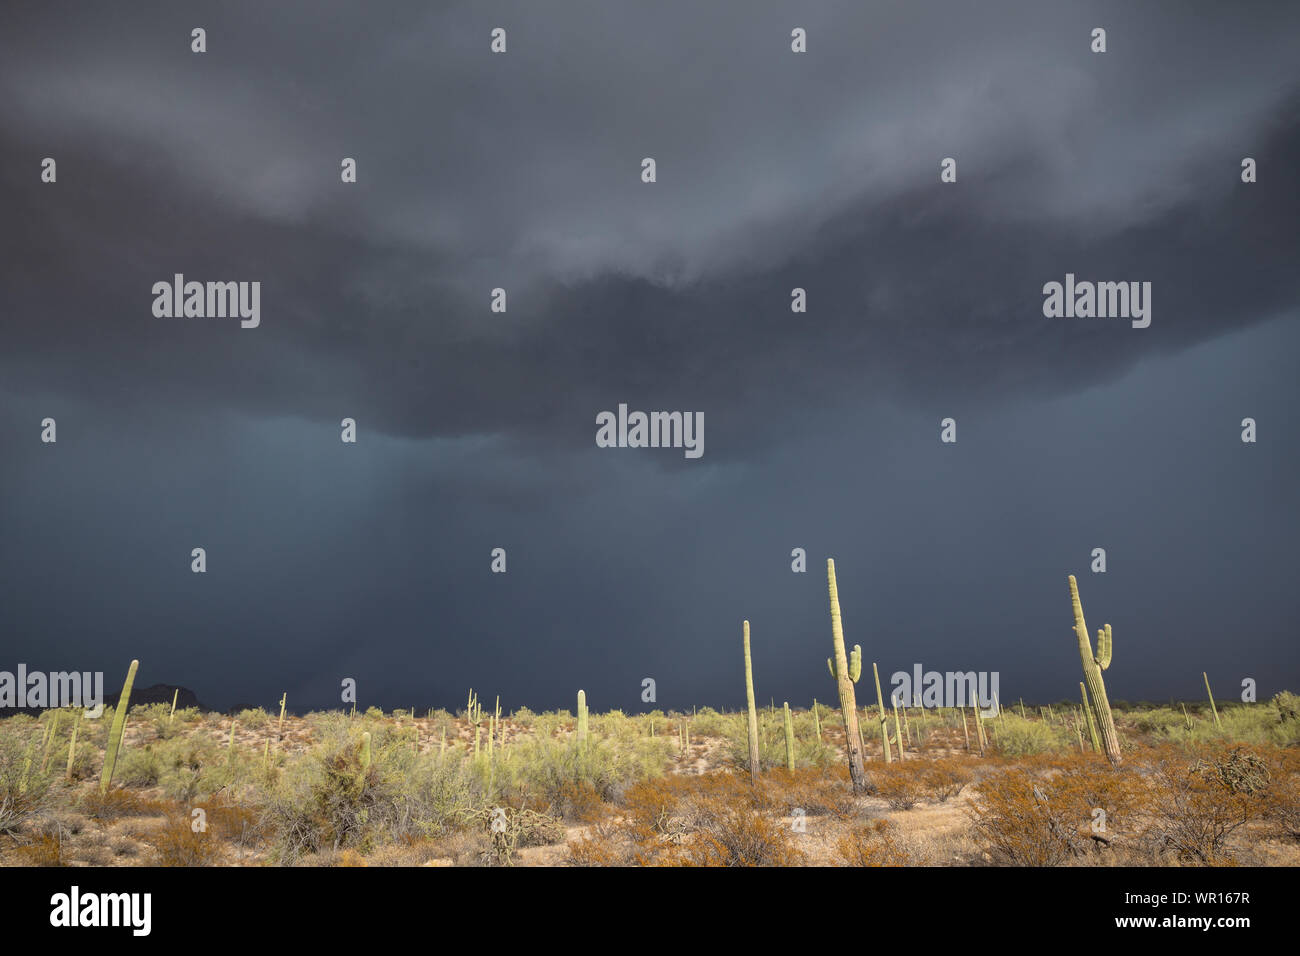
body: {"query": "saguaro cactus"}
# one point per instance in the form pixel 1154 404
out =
pixel 1092 668
pixel 753 710
pixel 884 721
pixel 1214 710
pixel 789 738
pixel 115 731
pixel 175 694
pixel 848 701
pixel 279 730
pixel 72 748
pixel 582 716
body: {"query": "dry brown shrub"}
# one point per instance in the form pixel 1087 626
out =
pixel 1196 806
pixel 901 784
pixel 716 819
pixel 872 845
pixel 175 842
pixel 118 802
pixel 46 849
pixel 945 777
pixel 814 791
pixel 1050 818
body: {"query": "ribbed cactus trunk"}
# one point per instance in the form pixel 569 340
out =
pixel 848 701
pixel 884 721
pixel 72 748
pixel 1092 724
pixel 117 728
pixel 1209 693
pixel 175 695
pixel 789 738
pixel 753 711
pixel 582 716
pixel 898 731
pixel 1092 668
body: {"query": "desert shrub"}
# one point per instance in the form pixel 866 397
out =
pixel 177 842
pixel 545 769
pixel 809 751
pixel 44 849
pixel 254 718
pixel 373 713
pixel 116 803
pixel 523 717
pixel 874 844
pixel 1052 818
pixel 325 800
pixel 812 791
pixel 23 788
pixel 1015 736
pixel 508 829
pixel 1196 807
pixel 709 820
pixel 944 778
pixel 901 783
pixel 139 766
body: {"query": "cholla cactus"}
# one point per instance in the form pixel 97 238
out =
pixel 117 729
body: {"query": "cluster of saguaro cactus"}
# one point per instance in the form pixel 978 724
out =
pixel 1092 668
pixel 582 716
pixel 751 710
pixel 848 701
pixel 117 729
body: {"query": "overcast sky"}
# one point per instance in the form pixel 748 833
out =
pixel 476 430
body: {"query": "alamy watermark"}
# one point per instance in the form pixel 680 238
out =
pixel 651 430
pixel 57 689
pixel 950 689
pixel 1101 300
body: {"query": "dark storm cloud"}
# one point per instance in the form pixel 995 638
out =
pixel 521 171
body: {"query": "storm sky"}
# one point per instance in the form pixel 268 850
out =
pixel 476 430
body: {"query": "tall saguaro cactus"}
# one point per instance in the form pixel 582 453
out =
pixel 115 731
pixel 1092 668
pixel 582 716
pixel 1214 710
pixel 753 711
pixel 789 738
pixel 884 721
pixel 848 701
